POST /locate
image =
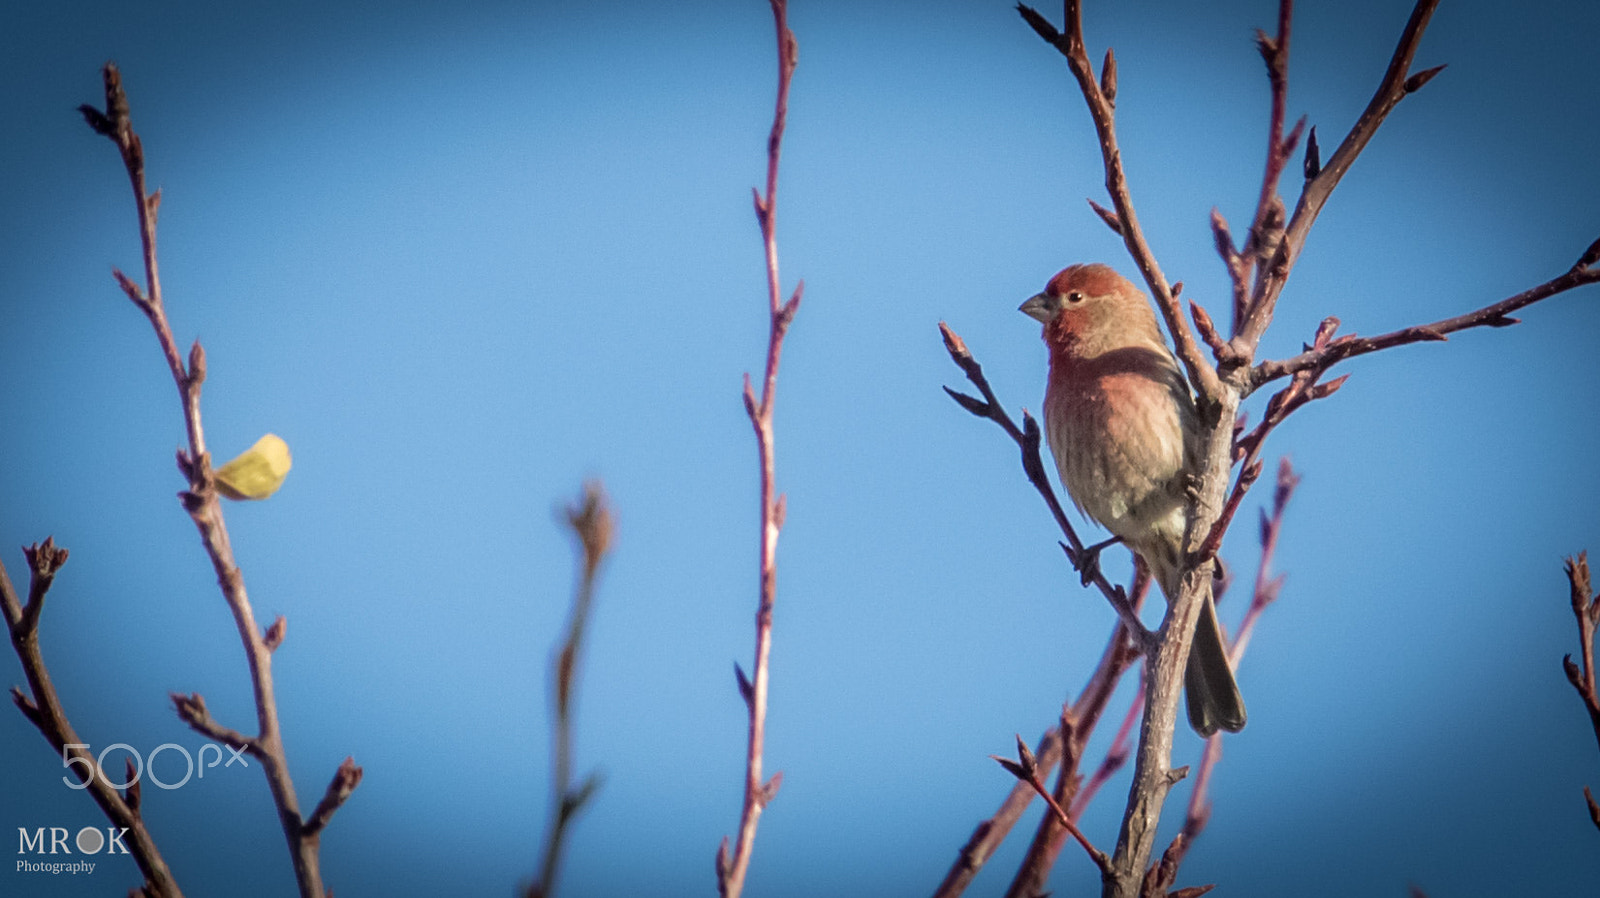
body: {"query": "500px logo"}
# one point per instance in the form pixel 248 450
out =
pixel 142 766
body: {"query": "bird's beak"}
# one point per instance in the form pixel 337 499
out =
pixel 1038 307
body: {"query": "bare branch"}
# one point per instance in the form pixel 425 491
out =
pixel 1070 44
pixel 1394 87
pixel 42 707
pixel 1326 353
pixel 732 867
pixel 203 505
pixel 1028 439
pixel 593 528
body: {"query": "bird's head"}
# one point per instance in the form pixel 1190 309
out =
pixel 1088 310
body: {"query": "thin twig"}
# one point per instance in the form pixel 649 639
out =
pixel 204 507
pixel 592 525
pixel 1026 769
pixel 1586 609
pixel 42 707
pixel 1028 440
pixel 1326 353
pixel 1103 112
pixel 1396 84
pixel 732 868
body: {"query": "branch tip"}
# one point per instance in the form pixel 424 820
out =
pixel 1108 77
pixel 1107 216
pixel 1415 82
pixel 1040 25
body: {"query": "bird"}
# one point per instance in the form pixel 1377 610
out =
pixel 1123 429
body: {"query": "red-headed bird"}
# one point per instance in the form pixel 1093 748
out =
pixel 1122 426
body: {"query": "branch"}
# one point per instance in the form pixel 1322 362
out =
pixel 1026 769
pixel 42 707
pixel 1326 353
pixel 1396 84
pixel 592 524
pixel 1028 439
pixel 202 502
pixel 1077 724
pixel 1586 609
pixel 731 869
pixel 1102 110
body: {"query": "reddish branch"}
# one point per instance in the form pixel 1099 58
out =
pixel 42 706
pixel 1026 769
pixel 1586 608
pixel 204 507
pixel 592 524
pixel 732 867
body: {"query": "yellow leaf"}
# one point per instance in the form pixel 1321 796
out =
pixel 258 472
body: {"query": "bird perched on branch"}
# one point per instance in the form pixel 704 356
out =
pixel 1121 423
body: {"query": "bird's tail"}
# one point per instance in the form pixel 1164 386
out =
pixel 1210 689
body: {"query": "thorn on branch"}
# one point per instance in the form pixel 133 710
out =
pixel 1589 257
pixel 954 345
pixel 1266 46
pixel 1108 78
pixel 1323 391
pixel 97 120
pixel 1313 155
pixel 1594 809
pixel 770 790
pixel 275 633
pixel 1501 321
pixel 1032 465
pixel 1040 25
pixel 27 707
pixel 722 864
pixel 1292 140
pixel 1107 216
pixel 1223 238
pixel 786 314
pixel 1325 331
pixel 1415 82
pixel 197 365
pixel 746 691
pixel 750 406
pixel 134 291
pixel 1208 331
pixel 130 795
pixel 344 782
pixel 970 403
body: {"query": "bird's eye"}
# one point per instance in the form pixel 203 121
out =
pixel 1074 298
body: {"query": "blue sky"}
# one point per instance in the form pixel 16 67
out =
pixel 462 256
